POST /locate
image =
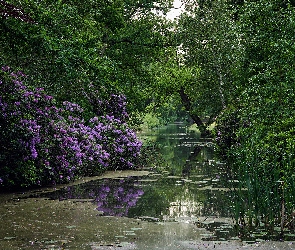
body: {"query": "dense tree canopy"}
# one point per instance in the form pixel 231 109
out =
pixel 70 44
pixel 89 53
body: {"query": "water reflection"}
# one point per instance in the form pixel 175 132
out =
pixel 192 186
pixel 113 197
pixel 174 205
pixel 192 189
pixel 116 200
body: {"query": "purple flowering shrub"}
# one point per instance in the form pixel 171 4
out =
pixel 119 140
pixel 121 143
pixel 114 106
pixel 41 143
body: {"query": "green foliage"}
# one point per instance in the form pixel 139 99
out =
pixel 256 135
pixel 70 44
pixel 231 61
pixel 208 35
pixel 150 121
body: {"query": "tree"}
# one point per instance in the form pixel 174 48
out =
pixel 71 44
pixel 179 82
pixel 263 110
pixel 202 70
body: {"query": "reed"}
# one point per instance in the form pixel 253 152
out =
pixel 265 196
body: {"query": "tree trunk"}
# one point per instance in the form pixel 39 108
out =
pixel 188 106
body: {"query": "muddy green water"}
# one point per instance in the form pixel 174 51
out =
pixel 185 205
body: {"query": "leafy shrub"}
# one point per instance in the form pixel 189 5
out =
pixel 42 143
pixel 226 132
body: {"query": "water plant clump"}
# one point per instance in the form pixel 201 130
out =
pixel 260 155
pixel 44 142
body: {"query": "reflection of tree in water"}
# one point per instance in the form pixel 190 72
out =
pixel 187 156
pixel 176 143
pixel 116 199
pixel 217 203
pixel 113 196
pixel 155 201
pixel 188 164
pixel 190 192
pixel 214 202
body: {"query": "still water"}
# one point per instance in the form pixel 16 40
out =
pixel 191 187
pixel 183 204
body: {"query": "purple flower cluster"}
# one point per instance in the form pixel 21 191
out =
pixel 113 106
pixel 120 141
pixel 42 143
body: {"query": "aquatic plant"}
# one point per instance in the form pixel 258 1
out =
pixel 260 155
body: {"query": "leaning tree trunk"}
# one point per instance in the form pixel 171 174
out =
pixel 188 106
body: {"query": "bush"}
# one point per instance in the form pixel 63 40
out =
pixel 41 143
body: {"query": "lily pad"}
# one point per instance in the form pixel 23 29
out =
pixel 70 226
pixel 9 238
pixel 136 228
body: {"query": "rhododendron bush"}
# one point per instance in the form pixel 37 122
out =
pixel 43 142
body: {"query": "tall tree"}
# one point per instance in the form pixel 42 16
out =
pixel 207 33
pixel 261 119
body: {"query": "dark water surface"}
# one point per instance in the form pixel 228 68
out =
pixel 185 205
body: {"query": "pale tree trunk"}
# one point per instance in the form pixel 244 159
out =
pixel 221 83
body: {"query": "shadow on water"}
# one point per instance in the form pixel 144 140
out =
pixel 187 201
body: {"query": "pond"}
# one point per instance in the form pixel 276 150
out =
pixel 184 204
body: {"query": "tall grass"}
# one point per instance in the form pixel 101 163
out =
pixel 265 196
